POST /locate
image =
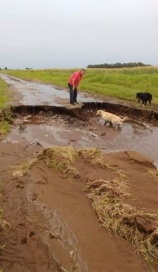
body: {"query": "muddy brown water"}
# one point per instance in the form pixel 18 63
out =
pixel 63 130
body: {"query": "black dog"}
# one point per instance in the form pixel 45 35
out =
pixel 144 97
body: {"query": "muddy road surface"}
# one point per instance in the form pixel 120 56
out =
pixel 51 223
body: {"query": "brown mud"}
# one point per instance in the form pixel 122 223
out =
pixel 52 225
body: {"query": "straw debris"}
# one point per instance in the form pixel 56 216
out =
pixel 24 168
pixel 62 159
pixel 110 200
pixel 153 174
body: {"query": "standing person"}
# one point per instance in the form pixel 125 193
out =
pixel 73 83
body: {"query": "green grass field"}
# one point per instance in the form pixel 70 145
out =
pixel 118 83
pixel 4 98
pixel 4 94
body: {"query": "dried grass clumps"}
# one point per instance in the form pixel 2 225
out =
pixel 24 168
pixel 3 223
pixel 111 203
pixel 95 156
pixel 153 174
pixel 62 159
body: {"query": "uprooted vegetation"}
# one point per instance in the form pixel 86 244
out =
pixel 110 198
pixel 62 160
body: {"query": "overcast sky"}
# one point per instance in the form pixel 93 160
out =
pixel 75 33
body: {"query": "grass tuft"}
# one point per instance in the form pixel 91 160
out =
pixel 24 168
pixel 153 174
pixel 4 113
pixel 61 159
pixel 110 200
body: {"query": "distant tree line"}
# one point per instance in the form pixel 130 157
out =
pixel 4 68
pixel 118 65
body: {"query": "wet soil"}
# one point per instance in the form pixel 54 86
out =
pixel 52 223
pixel 52 226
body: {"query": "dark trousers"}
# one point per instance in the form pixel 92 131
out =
pixel 73 94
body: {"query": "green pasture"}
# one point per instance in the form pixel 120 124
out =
pixel 4 94
pixel 117 83
pixel 4 98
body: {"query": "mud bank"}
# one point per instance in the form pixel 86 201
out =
pixel 52 225
pixel 147 114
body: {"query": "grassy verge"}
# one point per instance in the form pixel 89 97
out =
pixel 4 94
pixel 4 98
pixel 118 83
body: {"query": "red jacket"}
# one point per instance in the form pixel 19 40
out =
pixel 75 79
